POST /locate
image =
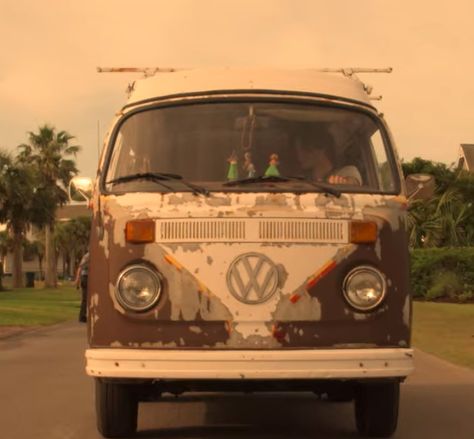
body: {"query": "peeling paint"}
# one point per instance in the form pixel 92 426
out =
pixel 360 316
pixel 407 311
pixel 354 346
pixel 307 308
pixel 158 344
pixel 94 300
pixel 253 341
pixel 190 302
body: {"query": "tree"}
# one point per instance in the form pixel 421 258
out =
pixel 48 151
pixel 447 219
pixel 37 248
pixel 63 244
pixel 5 247
pixel 444 175
pixel 72 240
pixel 17 195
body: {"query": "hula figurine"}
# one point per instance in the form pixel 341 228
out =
pixel 272 170
pixel 233 172
pixel 249 167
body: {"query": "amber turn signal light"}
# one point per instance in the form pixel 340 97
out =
pixel 363 232
pixel 140 231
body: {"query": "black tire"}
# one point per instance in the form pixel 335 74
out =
pixel 116 408
pixel 376 408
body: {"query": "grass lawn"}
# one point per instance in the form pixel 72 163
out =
pixel 35 306
pixel 446 330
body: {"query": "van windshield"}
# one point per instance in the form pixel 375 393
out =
pixel 228 146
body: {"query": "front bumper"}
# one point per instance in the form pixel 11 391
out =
pixel 246 364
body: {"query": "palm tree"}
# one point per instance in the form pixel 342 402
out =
pixel 5 247
pixel 81 227
pixel 64 245
pixel 48 151
pixel 72 240
pixel 37 249
pixel 425 227
pixel 17 192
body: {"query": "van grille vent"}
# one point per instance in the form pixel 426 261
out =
pixel 202 230
pixel 252 230
pixel 301 230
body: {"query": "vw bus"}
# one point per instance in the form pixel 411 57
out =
pixel 249 233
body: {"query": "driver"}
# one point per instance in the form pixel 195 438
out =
pixel 318 159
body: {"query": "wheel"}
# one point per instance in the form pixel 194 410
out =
pixel 116 408
pixel 376 408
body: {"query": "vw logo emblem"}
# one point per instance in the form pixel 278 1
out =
pixel 252 278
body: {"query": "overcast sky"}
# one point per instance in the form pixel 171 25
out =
pixel 50 51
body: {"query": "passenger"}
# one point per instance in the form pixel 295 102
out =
pixel 81 281
pixel 319 158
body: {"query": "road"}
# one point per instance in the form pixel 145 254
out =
pixel 44 394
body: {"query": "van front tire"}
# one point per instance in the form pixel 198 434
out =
pixel 116 409
pixel 376 408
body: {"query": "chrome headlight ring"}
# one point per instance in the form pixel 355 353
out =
pixel 138 287
pixel 364 288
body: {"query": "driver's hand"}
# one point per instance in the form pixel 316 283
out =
pixel 337 179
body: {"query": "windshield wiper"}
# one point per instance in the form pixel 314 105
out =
pixel 282 178
pixel 160 177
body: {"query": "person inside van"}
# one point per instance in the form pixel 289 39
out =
pixel 318 160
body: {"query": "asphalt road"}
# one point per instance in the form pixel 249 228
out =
pixel 44 394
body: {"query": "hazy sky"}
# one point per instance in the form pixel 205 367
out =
pixel 50 51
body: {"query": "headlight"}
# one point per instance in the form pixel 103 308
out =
pixel 138 288
pixel 364 288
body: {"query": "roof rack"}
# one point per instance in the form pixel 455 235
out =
pixel 150 71
pixel 147 71
pixel 349 72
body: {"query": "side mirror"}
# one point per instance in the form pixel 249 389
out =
pixel 420 186
pixel 80 189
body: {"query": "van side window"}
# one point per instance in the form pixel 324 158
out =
pixel 384 170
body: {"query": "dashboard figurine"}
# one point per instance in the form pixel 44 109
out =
pixel 249 167
pixel 272 170
pixel 233 172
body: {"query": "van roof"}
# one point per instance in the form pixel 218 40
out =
pixel 197 81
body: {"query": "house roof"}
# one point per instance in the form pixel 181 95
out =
pixel 467 156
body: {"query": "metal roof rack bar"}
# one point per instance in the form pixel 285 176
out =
pixel 147 71
pixel 349 71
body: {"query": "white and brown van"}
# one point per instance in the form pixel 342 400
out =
pixel 249 233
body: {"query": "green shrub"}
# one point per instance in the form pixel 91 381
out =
pixel 438 273
pixel 464 297
pixel 445 284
